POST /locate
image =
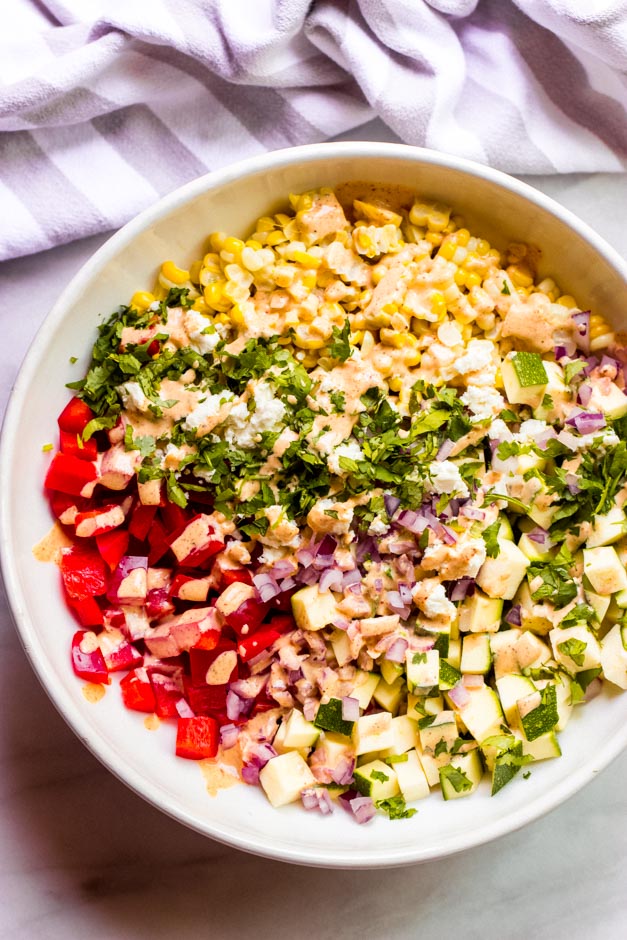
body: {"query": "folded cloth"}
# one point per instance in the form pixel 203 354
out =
pixel 107 104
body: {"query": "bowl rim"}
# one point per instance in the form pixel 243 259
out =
pixel 312 153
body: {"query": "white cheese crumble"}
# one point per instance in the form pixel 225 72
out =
pixel 378 527
pixel 483 401
pixel 498 431
pixel 532 429
pixel 200 341
pixel 446 478
pixel 349 449
pixel 208 408
pixel 244 428
pixel 438 605
pixel 133 397
pixel 478 356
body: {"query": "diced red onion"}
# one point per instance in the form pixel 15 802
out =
pixel 588 422
pixel 287 584
pixel 404 590
pixel 341 623
pixel 184 709
pixel 401 548
pixel 593 689
pixel 378 585
pixel 266 585
pixel 327 546
pixel 445 449
pixel 310 709
pixel 591 364
pixel 459 695
pixel 396 652
pixel 342 773
pixel 351 577
pixel 584 393
pixel 391 504
pixel 362 807
pixel 411 521
pixel 331 580
pixel 513 616
pixel 284 568
pixel 250 774
pixel 462 588
pixel 236 707
pixel 582 320
pixel 365 547
pixel 473 682
pixel 471 512
pixel 350 708
pixel 538 535
pixel 397 604
pixel 572 482
pixel 610 366
pixel 263 753
pixel 229 735
pixel 305 557
pixel 355 588
pixel 317 800
pixel 560 352
pixel 448 535
pixel 569 440
pixel 307 576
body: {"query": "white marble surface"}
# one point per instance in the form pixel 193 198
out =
pixel 82 856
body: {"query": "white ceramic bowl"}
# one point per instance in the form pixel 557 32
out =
pixel 494 205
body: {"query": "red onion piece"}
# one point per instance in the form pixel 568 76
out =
pixel 362 807
pixel 445 450
pixel 342 773
pixel 582 321
pixel 459 695
pixel 266 585
pixel 236 707
pixel 396 652
pixel 287 584
pixel 448 535
pixel 471 512
pixel 331 580
pixel 412 521
pixel 462 588
pixel 351 577
pixel 184 709
pixel 610 366
pixel 588 422
pixel 350 708
pixel 341 623
pixel 473 682
pixel 228 736
pixel 250 774
pixel 572 482
pixel 539 536
pixel 513 616
pixel 584 394
pixel 310 709
pixel 391 504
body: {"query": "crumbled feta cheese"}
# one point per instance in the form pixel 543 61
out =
pixel 446 478
pixel 438 605
pixel 349 449
pixel 196 324
pixel 498 431
pixel 208 408
pixel 483 401
pixel 244 428
pixel 133 397
pixel 532 429
pixel 378 527
pixel 478 356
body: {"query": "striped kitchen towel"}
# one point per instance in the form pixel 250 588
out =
pixel 107 104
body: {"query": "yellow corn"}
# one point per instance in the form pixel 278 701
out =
pixel 265 224
pixel 194 272
pixel 520 274
pixel 462 236
pixel 307 260
pixel 434 238
pixel 438 305
pixel 473 279
pixel 598 326
pixel 396 339
pixel 567 301
pixel 217 240
pixel 368 342
pixel 376 320
pixel 276 238
pixel 412 357
pixel 395 384
pixel 237 315
pixel 201 306
pixel 304 340
pixel 447 248
pixel 214 295
pixel 142 299
pixel 173 273
pixel 309 280
pixel 482 247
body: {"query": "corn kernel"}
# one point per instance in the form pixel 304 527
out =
pixel 396 339
pixel 567 301
pixel 201 306
pixel 473 279
pixel 142 299
pixel 520 274
pixel 217 240
pixel 222 318
pixel 462 236
pixel 412 357
pixel 173 273
pixel 276 238
pixel 434 238
pixel 395 384
pixel 447 249
pixel 438 305
pixel 304 340
pixel 368 342
pixel 482 247
pixel 237 315
pixel 214 294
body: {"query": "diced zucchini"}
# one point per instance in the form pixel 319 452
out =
pixel 411 778
pixel 482 715
pixel 449 676
pixel 454 653
pixel 341 647
pixel 364 687
pixel 531 652
pixel 500 577
pixel 390 671
pixel 389 696
pixel 607 528
pixel 314 609
pixel 443 728
pixel 543 747
pixel 377 780
pixel 462 776
pixel 329 718
pixel 532 550
pixel 504 757
pixel 423 670
pixel 285 777
pixel 299 733
pixel 614 656
pixel 480 614
pixel 476 655
pixel 404 730
pixel 604 570
pixel 537 712
pixel 576 648
pixel 511 688
pixel 524 378
pixel 373 733
pixel 503 649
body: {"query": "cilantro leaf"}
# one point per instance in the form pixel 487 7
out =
pixel 456 777
pixel 340 347
pixel 490 537
pixel 396 808
pixel 575 649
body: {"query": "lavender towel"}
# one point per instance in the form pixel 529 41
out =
pixel 107 104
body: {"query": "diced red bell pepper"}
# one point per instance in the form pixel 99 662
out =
pixel 75 416
pixel 141 522
pixel 251 646
pixel 232 576
pixel 200 659
pixel 282 623
pixel 248 617
pixel 158 542
pixel 113 546
pixel 188 588
pixel 205 699
pixel 209 640
pixel 118 653
pixel 197 738
pixel 95 522
pixel 197 541
pixel 88 663
pixel 74 446
pixel 174 518
pixel 69 474
pixel 87 611
pixel 283 601
pixel 137 692
pixel 263 703
pixel 168 690
pixel 84 573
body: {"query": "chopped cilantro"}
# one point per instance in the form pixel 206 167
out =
pixel 456 777
pixel 490 537
pixel 379 775
pixel 340 347
pixel 426 721
pixel 419 658
pixel 396 808
pixel 505 288
pixel 558 586
pixel 440 748
pixel 575 649
pixel 396 759
pixel 175 493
